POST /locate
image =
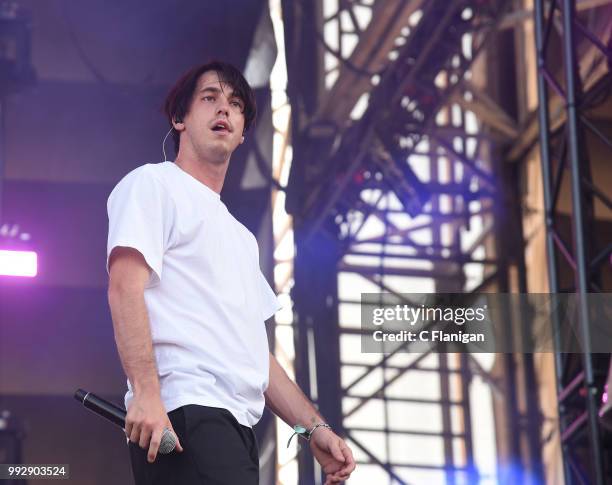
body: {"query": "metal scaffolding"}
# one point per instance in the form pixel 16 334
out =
pixel 564 150
pixel 382 138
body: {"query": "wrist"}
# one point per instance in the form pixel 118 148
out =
pixel 147 387
pixel 318 427
pixel 307 433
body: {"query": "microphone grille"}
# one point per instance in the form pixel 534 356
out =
pixel 168 442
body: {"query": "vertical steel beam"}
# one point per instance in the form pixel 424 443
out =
pixel 546 167
pixel 579 165
pixel 579 169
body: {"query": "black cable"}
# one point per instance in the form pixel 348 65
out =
pixel 89 64
pixel 81 52
pixel 262 166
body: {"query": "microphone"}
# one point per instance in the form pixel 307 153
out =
pixel 116 415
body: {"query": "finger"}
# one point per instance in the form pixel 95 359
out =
pixel 336 452
pixel 346 470
pixel 332 467
pixel 145 436
pixel 342 474
pixel 178 446
pixel 332 478
pixel 348 454
pixel 154 445
pixel 349 461
pixel 128 429
pixel 135 434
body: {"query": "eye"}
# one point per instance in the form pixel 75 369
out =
pixel 208 98
pixel 237 104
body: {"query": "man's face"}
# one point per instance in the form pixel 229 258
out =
pixel 215 121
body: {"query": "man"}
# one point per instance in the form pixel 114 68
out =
pixel 189 302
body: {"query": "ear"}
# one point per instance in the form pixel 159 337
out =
pixel 178 125
pixel 242 140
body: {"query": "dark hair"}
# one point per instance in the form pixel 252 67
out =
pixel 179 98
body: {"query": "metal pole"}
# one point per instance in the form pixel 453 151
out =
pixel 545 160
pixel 581 253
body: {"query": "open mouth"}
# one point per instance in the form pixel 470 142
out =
pixel 221 127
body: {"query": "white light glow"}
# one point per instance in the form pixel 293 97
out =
pixel 18 263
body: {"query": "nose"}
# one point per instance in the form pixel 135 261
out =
pixel 223 107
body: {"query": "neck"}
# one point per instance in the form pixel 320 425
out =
pixel 211 174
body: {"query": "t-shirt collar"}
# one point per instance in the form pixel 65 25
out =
pixel 204 187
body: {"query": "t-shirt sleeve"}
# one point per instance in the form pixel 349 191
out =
pixel 269 301
pixel 140 213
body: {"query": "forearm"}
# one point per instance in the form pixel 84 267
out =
pixel 133 338
pixel 287 401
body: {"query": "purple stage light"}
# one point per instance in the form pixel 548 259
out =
pixel 18 263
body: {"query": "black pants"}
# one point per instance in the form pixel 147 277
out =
pixel 218 450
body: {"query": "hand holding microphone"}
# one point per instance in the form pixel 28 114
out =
pixel 157 440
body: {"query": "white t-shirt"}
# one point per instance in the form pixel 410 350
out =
pixel 207 299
